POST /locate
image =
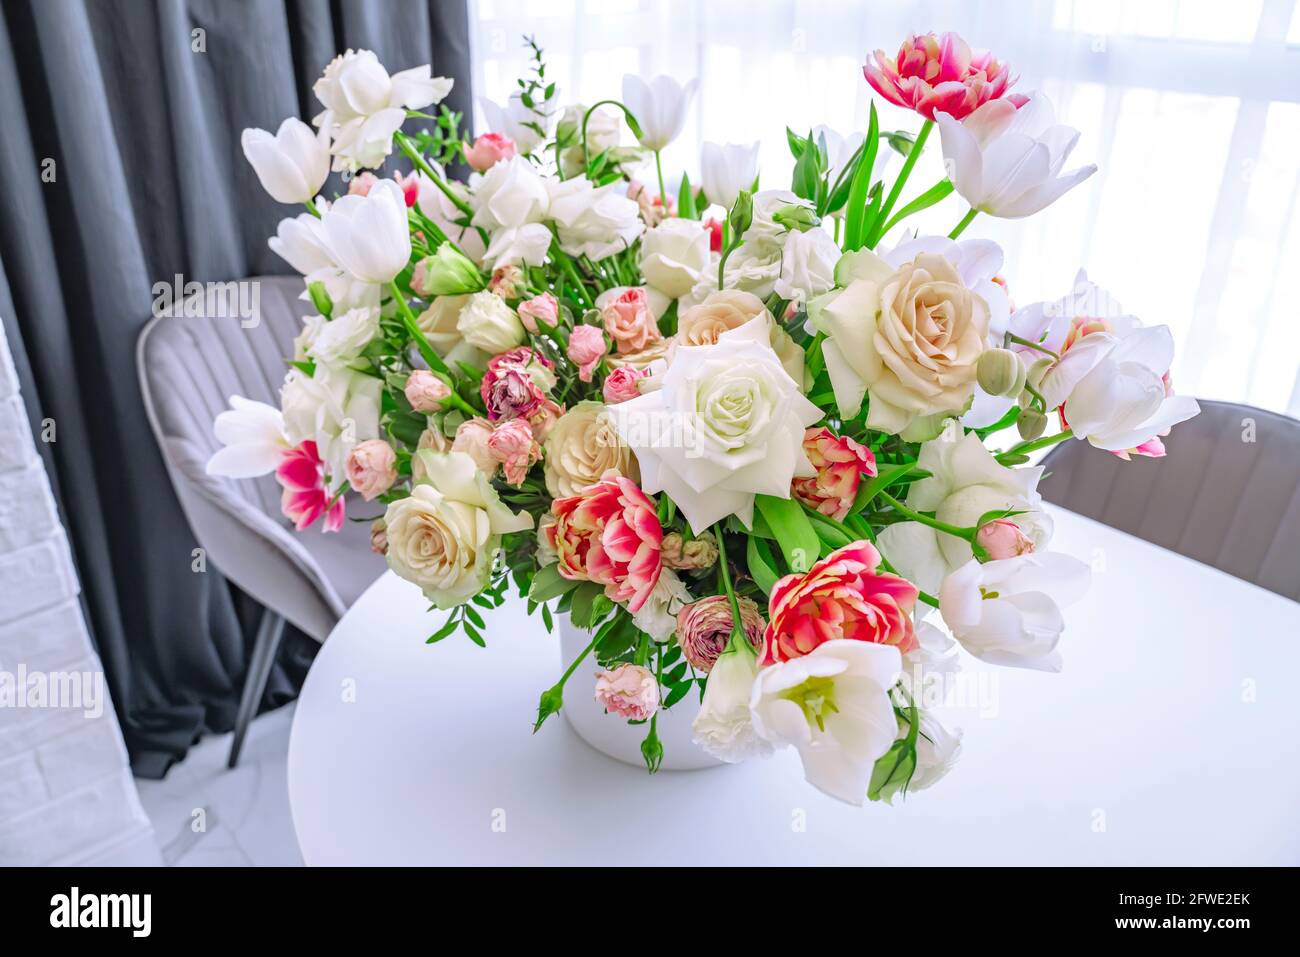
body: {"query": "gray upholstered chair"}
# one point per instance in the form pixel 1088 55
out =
pixel 1227 492
pixel 189 366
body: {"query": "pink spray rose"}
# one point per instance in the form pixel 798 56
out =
pixel 620 384
pixel 939 74
pixel 425 391
pixel 841 596
pixel 488 150
pixel 586 349
pixel 305 498
pixel 704 628
pixel 840 463
pixel 609 533
pixel 372 468
pixel 472 438
pixel 628 318
pixel 516 383
pixel 512 444
pixel 543 308
pixel 629 691
pixel 1003 539
pixel 544 417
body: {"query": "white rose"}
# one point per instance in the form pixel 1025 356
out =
pixel 723 727
pixel 444 536
pixel 581 447
pixel 807 265
pixel 593 221
pixel 754 267
pixel 509 195
pixel 726 424
pixel 487 323
pixel 674 255
pixel 342 338
pixel 336 408
pixel 293 164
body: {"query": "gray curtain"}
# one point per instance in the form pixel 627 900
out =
pixel 120 159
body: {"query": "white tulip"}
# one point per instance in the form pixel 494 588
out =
pixel 674 255
pixel 513 120
pixel 300 241
pixel 833 705
pixel 1008 612
pixel 659 107
pixel 726 170
pixel 336 408
pixel 724 726
pixel 364 106
pixel 368 236
pixel 253 436
pixel 1006 161
pixel 593 221
pixel 293 164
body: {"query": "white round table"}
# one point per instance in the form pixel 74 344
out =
pixel 1170 738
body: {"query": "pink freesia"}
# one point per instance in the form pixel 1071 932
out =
pixel 372 468
pixel 488 150
pixel 1003 539
pixel 629 691
pixel 840 463
pixel 586 349
pixel 939 74
pixel 305 498
pixel 628 319
pixel 543 308
pixel 841 596
pixel 512 444
pixel 621 384
pixel 609 533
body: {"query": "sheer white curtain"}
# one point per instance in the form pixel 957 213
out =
pixel 1190 107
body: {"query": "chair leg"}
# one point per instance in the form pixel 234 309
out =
pixel 269 631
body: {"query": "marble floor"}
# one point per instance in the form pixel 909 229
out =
pixel 206 815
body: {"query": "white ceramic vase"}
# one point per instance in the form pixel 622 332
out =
pixel 612 735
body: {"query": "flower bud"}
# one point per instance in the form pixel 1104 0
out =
pixel 1037 369
pixel 1031 424
pixel 794 217
pixel 1000 372
pixel 320 298
pixel 742 214
pixel 448 272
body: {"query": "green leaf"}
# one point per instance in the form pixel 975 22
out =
pixel 444 631
pixel 306 367
pixel 473 615
pixel 927 199
pixel 796 143
pixel 795 534
pixel 805 179
pixel 893 772
pixel 584 599
pixel 677 693
pixel 548 583
pixel 686 200
pixel 762 565
pixel 856 223
pixel 895 473
pixel 474 636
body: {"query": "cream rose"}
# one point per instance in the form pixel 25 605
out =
pixel 581 447
pixel 445 534
pixel 486 322
pixel 438 323
pixel 674 255
pixel 908 339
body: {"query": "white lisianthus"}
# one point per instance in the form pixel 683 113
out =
pixel 724 726
pixel 445 535
pixel 1008 612
pixel 833 705
pixel 336 408
pixel 807 265
pixel 364 106
pixel 658 616
pixel 368 236
pixel 1006 160
pixel 965 483
pixel 253 436
pixel 593 221
pixel 674 255
pixel 486 322
pixel 937 751
pixel 515 120
pixel 726 170
pixel 342 338
pixel 726 424
pixel 510 201
pixel 659 107
pixel 293 164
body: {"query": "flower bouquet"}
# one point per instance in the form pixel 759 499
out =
pixel 746 439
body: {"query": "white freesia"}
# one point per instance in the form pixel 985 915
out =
pixel 807 265
pixel 965 483
pixel 514 119
pixel 726 170
pixel 658 616
pixel 726 424
pixel 293 164
pixel 724 726
pixel 253 436
pixel 486 322
pixel 368 236
pixel 659 107
pixel 336 408
pixel 445 535
pixel 364 106
pixel 593 221
pixel 833 705
pixel 674 255
pixel 1006 161
pixel 937 751
pixel 1008 612
pixel 342 338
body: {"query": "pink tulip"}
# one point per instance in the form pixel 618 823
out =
pixel 939 74
pixel 305 498
pixel 840 463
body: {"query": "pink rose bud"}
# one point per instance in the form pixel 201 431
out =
pixel 629 321
pixel 488 150
pixel 586 349
pixel 512 444
pixel 543 308
pixel 621 384
pixel 1003 539
pixel 372 468
pixel 629 691
pixel 360 184
pixel 472 439
pixel 425 391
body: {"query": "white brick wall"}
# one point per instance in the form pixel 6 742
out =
pixel 66 792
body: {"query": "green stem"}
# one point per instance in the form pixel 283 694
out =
pixel 407 147
pixel 1024 448
pixel 631 122
pixel 965 534
pixel 663 194
pixel 913 155
pixel 724 573
pixel 426 350
pixel 1012 337
pixel 311 208
pixel 965 221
